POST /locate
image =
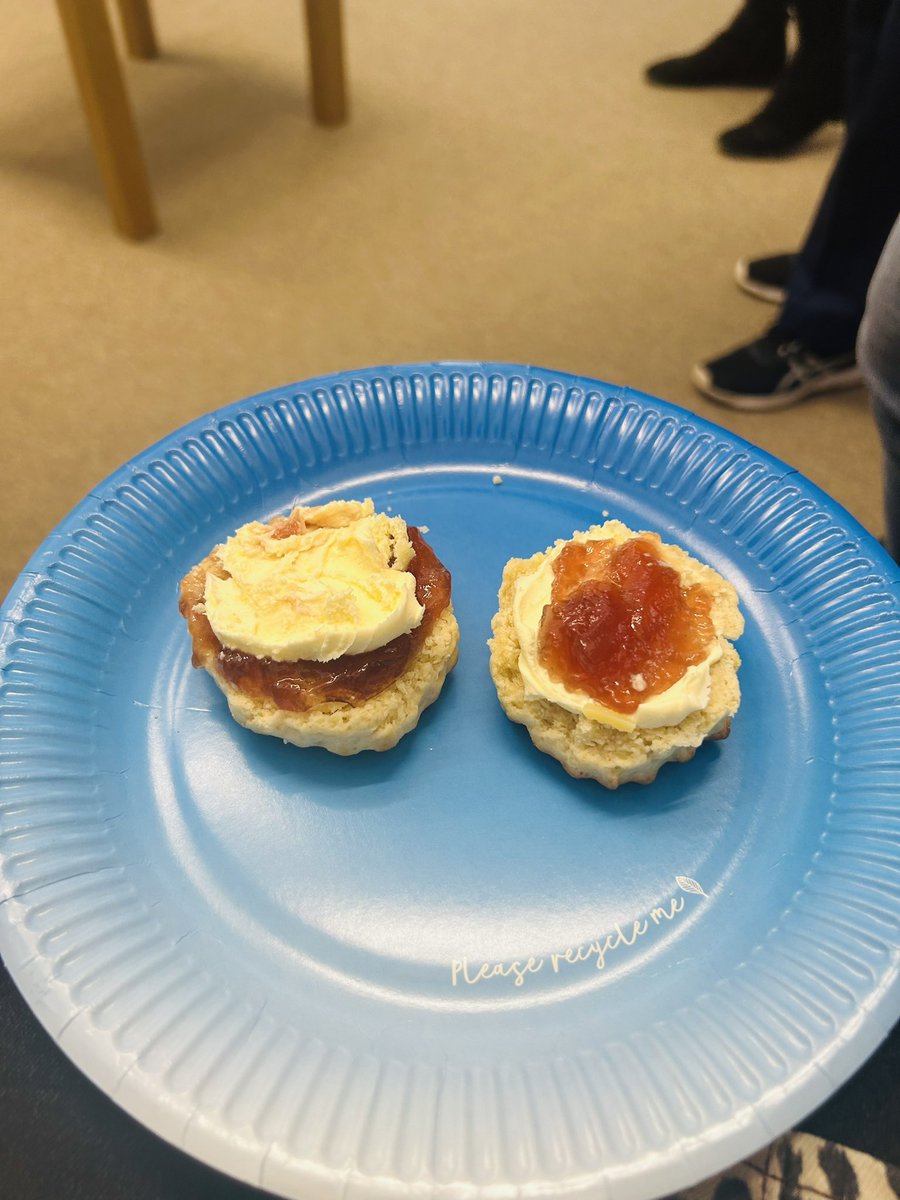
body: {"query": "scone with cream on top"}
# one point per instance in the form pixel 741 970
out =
pixel 614 650
pixel 330 627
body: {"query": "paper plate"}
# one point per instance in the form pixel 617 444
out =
pixel 450 969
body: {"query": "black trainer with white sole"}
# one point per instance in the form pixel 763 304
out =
pixel 765 278
pixel 773 373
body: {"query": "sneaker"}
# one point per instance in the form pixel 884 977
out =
pixel 808 95
pixel 773 373
pixel 765 278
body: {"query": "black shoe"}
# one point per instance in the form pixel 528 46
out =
pixel 743 55
pixel 773 373
pixel 765 278
pixel 808 95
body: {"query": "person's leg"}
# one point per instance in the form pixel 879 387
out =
pixel 809 92
pixel 830 276
pixel 749 52
pixel 811 347
pixel 878 350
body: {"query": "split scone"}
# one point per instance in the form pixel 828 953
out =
pixel 329 627
pixel 614 651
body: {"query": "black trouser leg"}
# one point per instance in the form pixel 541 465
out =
pixel 763 12
pixel 820 64
pixel 822 27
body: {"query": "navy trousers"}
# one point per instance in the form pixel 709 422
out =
pixel 826 293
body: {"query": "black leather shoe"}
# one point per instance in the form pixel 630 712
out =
pixel 808 95
pixel 749 53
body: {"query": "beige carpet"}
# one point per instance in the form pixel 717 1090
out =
pixel 508 188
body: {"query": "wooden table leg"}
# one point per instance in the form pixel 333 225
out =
pixel 324 27
pixel 137 25
pixel 109 116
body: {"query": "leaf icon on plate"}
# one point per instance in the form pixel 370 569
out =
pixel 690 885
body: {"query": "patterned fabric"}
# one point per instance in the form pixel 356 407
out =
pixel 799 1166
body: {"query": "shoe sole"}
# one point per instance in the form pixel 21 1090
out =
pixel 750 84
pixel 761 291
pixel 838 382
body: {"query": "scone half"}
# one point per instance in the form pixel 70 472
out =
pixel 342 726
pixel 588 749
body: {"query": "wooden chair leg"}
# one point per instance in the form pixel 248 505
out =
pixel 109 117
pixel 324 28
pixel 137 25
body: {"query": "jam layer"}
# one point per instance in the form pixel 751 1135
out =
pixel 619 625
pixel 298 686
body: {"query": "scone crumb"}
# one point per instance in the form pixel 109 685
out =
pixel 497 480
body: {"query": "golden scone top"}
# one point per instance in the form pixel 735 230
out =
pixel 323 582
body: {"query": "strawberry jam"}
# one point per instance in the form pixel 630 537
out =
pixel 620 625
pixel 350 679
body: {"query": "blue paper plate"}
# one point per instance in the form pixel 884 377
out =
pixel 450 969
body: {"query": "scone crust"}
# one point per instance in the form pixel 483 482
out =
pixel 589 750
